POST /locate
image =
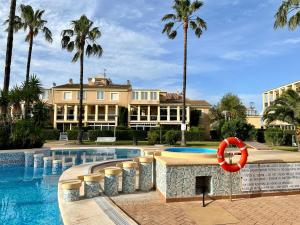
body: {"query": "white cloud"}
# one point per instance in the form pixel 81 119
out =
pixel 128 54
pixel 247 54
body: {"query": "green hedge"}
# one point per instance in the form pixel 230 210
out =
pixel 50 134
pixel 72 134
pixel 274 136
pixel 122 135
pixel 153 135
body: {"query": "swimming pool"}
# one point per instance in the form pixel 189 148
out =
pixel 191 150
pixel 29 195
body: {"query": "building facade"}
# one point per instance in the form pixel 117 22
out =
pixel 271 95
pixel 102 101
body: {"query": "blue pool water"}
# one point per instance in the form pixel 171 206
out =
pixel 28 196
pixel 191 150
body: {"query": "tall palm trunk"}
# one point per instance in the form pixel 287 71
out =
pixel 9 48
pixel 80 134
pixel 26 106
pixel 183 140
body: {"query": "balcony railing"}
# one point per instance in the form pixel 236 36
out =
pixel 60 117
pixel 133 117
pixel 91 117
pixel 153 117
pixel 144 117
pixel 163 117
pixel 70 117
pixel 101 117
pixel 173 117
pixel 111 117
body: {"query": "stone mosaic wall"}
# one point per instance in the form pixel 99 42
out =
pixel 12 159
pixel 180 181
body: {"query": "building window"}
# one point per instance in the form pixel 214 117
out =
pixel 153 96
pixel 78 95
pixel 100 95
pixel 67 95
pixel 144 95
pixel 114 96
pixel 135 95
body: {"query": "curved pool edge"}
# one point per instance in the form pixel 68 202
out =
pixel 88 211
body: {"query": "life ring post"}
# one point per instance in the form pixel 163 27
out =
pixel 232 167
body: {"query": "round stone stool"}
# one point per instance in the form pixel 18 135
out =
pixel 71 190
pixel 67 166
pixel 119 164
pixel 29 159
pixel 56 166
pixel 48 162
pixel 38 160
pixel 111 181
pixel 92 185
pixel 129 177
pixel 145 175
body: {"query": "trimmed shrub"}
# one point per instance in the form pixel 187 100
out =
pixel 123 135
pixel 153 137
pixel 72 134
pixel 48 134
pixel 172 136
pixel 274 136
pixel 238 128
pixel 194 136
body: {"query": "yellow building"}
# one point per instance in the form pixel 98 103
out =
pixel 271 95
pixel 102 100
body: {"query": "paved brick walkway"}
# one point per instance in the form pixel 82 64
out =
pixel 147 209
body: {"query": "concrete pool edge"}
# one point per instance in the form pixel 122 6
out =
pixel 90 210
pixel 99 210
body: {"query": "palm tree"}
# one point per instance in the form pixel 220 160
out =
pixel 15 98
pixel 286 108
pixel 82 37
pixel 33 22
pixel 9 48
pixel 184 15
pixel 31 91
pixel 288 14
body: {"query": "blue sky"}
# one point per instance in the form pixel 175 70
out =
pixel 239 53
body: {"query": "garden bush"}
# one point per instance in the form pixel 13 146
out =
pixel 172 136
pixel 274 136
pixel 123 135
pixel 194 136
pixel 238 128
pixel 50 134
pixel 26 135
pixel 72 134
pixel 153 137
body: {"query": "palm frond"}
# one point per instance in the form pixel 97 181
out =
pixel 172 34
pixel 169 17
pixel 168 27
pixel 76 57
pixel 48 34
pixel 195 6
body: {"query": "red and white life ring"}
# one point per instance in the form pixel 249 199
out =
pixel 221 150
